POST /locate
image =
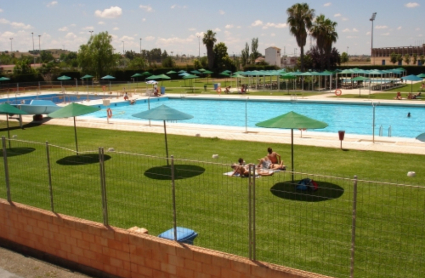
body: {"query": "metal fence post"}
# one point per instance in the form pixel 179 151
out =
pixel 249 215
pixel 254 233
pixel 251 212
pixel 6 168
pixel 353 227
pixel 49 173
pixel 173 184
pixel 103 186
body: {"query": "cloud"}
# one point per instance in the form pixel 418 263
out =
pixel 257 23
pixel 4 21
pixel 101 23
pixel 385 34
pixel 115 28
pixel 351 37
pixel 275 25
pixel 149 38
pixel 7 34
pixel 346 30
pixel 70 35
pixel 73 25
pixel 20 25
pixel 272 35
pixel 63 29
pixel 177 7
pixel 217 30
pixel 51 4
pixel 192 29
pixel 1 10
pixel 88 28
pixel 381 27
pixel 143 19
pixel 146 8
pixel 355 30
pixel 367 33
pixel 399 28
pixel 112 12
pixel 127 38
pixel 229 26
pixel 201 34
pixel 418 29
pixel 327 4
pixel 344 19
pixel 412 5
pixel 337 15
pixel 221 12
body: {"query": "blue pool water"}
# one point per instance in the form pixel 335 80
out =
pixel 353 118
pixel 56 98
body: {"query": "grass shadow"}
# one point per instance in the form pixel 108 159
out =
pixel 17 151
pixel 180 172
pixel 81 159
pixel 287 190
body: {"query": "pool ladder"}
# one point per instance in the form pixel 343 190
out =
pixel 381 131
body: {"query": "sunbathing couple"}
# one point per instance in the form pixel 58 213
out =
pixel 269 162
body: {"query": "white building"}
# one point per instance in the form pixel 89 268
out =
pixel 273 56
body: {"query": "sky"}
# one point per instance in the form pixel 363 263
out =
pixel 178 26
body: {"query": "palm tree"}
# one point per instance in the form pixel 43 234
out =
pixel 330 37
pixel 300 18
pixel 323 30
pixel 209 41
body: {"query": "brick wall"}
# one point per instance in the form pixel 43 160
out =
pixel 123 253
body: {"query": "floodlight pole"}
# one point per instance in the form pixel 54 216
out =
pixel 199 47
pixel 140 45
pixel 32 35
pixel 11 49
pixel 371 34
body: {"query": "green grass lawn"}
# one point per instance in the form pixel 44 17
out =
pixel 309 231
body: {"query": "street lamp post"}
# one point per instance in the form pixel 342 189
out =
pixel 32 35
pixel 140 45
pixel 91 33
pixel 199 44
pixel 371 40
pixel 11 49
pixel 39 48
pixel 122 47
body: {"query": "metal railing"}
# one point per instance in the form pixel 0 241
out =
pixel 347 228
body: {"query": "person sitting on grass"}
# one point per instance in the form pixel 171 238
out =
pixel 398 96
pixel 243 170
pixel 227 90
pixel 266 163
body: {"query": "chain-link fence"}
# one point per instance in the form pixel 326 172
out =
pixel 347 227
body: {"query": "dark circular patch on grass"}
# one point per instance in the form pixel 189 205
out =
pixel 287 190
pixel 17 151
pixel 81 159
pixel 180 172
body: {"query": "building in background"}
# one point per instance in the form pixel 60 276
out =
pixel 381 56
pixel 273 56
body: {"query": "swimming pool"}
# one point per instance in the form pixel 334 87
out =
pixel 56 98
pixel 353 118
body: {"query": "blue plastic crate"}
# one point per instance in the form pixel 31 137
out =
pixel 184 235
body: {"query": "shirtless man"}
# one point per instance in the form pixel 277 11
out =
pixel 274 157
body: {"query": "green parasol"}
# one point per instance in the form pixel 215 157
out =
pixel 292 120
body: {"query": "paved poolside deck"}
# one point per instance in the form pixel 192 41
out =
pixel 309 138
